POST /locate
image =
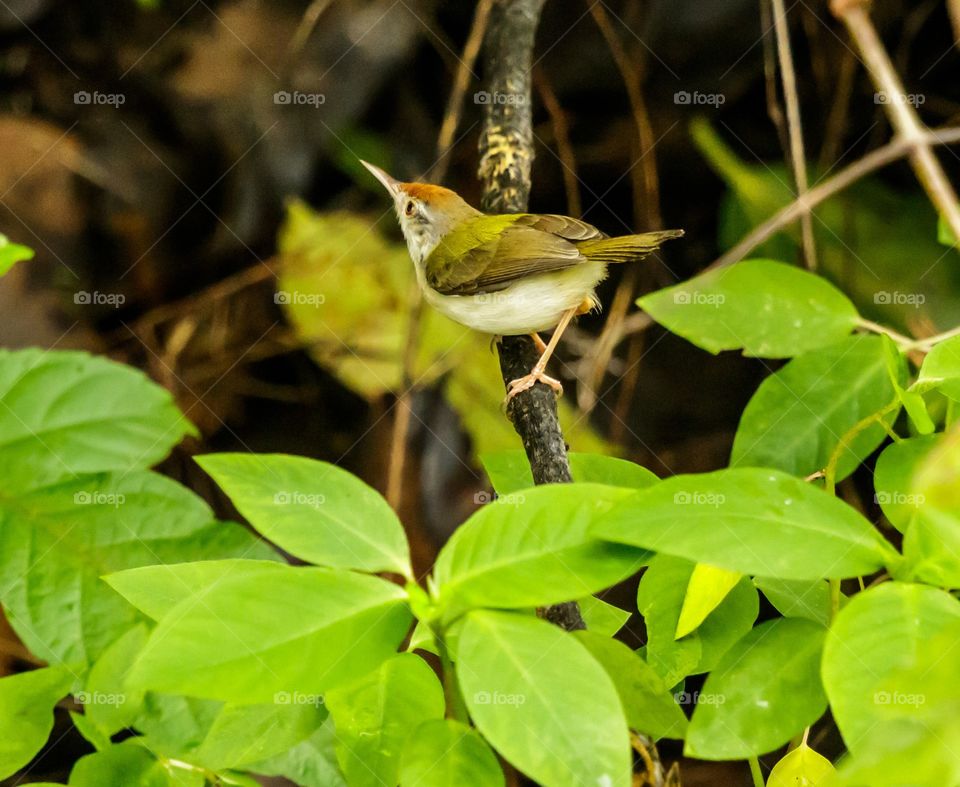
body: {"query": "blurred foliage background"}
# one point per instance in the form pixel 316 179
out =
pixel 192 216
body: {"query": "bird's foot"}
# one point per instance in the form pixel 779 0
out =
pixel 526 382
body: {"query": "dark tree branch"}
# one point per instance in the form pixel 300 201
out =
pixel 506 150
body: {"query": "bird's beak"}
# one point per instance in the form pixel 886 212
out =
pixel 391 185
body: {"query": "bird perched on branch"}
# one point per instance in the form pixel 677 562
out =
pixel 508 274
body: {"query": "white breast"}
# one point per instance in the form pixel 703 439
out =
pixel 533 304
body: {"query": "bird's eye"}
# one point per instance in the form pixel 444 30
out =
pixel 410 209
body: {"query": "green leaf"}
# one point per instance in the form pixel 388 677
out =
pixel 764 691
pixel 931 545
pixel 509 471
pixel 445 752
pixel 903 752
pixel 375 717
pixel 539 697
pixel 881 631
pixel 56 543
pixel 316 511
pixel 26 714
pixel 90 732
pixel 244 734
pixel 66 413
pixel 308 764
pixel 941 370
pixel 766 308
pixel 107 703
pixel 752 520
pixel 708 586
pixel 799 415
pixel 258 634
pixel 798 598
pixel 12 253
pixel 156 590
pixel 893 478
pixel 649 706
pixel 660 597
pixel 802 767
pixel 534 548
pixel 128 763
pixel 175 726
pixel 602 617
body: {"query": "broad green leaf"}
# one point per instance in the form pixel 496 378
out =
pixel 798 598
pixel 941 369
pixel 509 471
pixel 65 413
pixel 660 598
pixel 602 617
pixel 376 715
pixel 931 545
pixel 128 763
pixel 256 635
pixel 245 734
pixel 647 702
pixel 56 544
pixel 534 548
pixel 175 726
pixel 902 752
pixel 802 767
pixel 107 703
pixel 12 253
pixel 308 764
pixel 764 691
pixel 155 590
pixel 26 714
pixel 880 632
pixel 799 415
pixel 708 586
pixel 539 697
pixel 893 478
pixel 752 520
pixel 90 732
pixel 766 308
pixel 445 752
pixel 316 511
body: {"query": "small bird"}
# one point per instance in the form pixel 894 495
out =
pixel 508 274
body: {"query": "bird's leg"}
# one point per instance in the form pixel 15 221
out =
pixel 541 347
pixel 538 373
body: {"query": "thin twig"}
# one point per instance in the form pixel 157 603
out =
pixel 795 127
pixel 561 133
pixel 461 83
pixel 903 116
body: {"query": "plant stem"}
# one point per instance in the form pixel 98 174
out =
pixel 830 472
pixel 456 709
pixel 755 771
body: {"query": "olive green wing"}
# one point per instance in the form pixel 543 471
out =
pixel 563 226
pixel 492 251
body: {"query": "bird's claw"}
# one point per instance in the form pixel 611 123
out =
pixel 526 382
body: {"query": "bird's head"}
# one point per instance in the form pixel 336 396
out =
pixel 426 212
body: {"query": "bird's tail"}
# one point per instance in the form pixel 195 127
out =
pixel 627 247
